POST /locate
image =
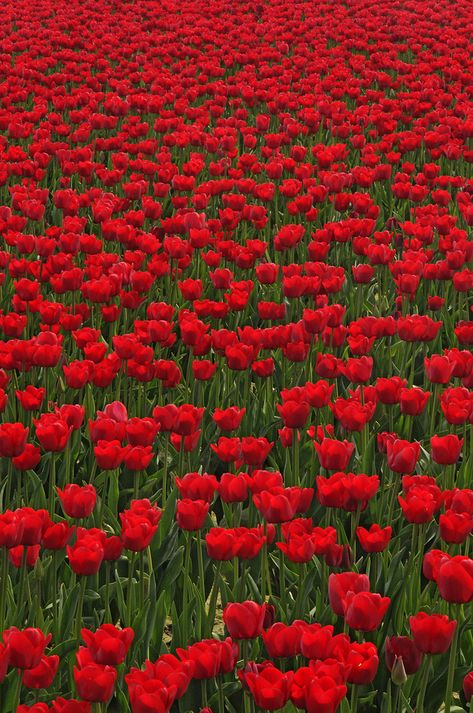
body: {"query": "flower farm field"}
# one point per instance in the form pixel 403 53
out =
pixel 236 365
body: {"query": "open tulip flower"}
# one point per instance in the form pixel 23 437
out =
pixel 236 356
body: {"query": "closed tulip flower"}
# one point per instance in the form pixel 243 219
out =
pixel 376 539
pixel 52 432
pixel 12 439
pixel 277 505
pixel 228 419
pixel 340 584
pixel 323 695
pixel 244 620
pixel 269 687
pixel 402 455
pixel 31 398
pixel 210 657
pixel 94 682
pixel 85 556
pixel 26 646
pixel 191 514
pixel 77 501
pixel 294 414
pixel 446 450
pixel 363 663
pixel 468 686
pixel 108 645
pixel 455 527
pixel 282 640
pixel 365 610
pixel 333 454
pixel 402 647
pixel 432 633
pixel 42 675
pixel 455 580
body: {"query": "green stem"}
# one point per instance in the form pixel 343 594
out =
pixel 200 564
pixel 165 473
pixel 142 579
pixel 23 576
pixel 17 693
pixel 282 582
pixel 80 607
pixel 295 457
pixel 108 614
pixel 354 699
pixel 213 599
pixel 52 485
pixel 423 686
pixel 451 664
pixel 3 585
pixel 129 589
pixel 203 687
pixel 221 695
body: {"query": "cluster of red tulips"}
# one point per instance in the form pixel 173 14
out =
pixel 236 364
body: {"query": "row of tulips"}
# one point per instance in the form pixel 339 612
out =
pixel 236 367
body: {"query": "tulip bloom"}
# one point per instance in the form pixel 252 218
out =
pixel 468 686
pixel 365 610
pixel 77 501
pixel 191 514
pixel 283 641
pixel 402 647
pixel 52 432
pixel 85 556
pixel 211 657
pixel 402 455
pixel 94 682
pixel 446 449
pixel 455 527
pixel 42 675
pixel 294 414
pixel 363 660
pixel 108 645
pixel 26 646
pixel 12 439
pixel 376 539
pixel 432 633
pixel 334 455
pixel 244 620
pixel 455 580
pixel 340 584
pixel 269 687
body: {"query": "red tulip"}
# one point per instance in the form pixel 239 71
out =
pixel 244 620
pixel 26 647
pixel 191 514
pixel 94 682
pixel 446 449
pixel 432 633
pixel 77 501
pixel 404 648
pixel 376 539
pixel 108 645
pixel 365 610
pixel 340 584
pixel 455 579
pixel 269 687
pixel 42 675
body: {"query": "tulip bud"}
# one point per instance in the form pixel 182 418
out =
pixel 398 673
pixel 347 557
pixel 269 616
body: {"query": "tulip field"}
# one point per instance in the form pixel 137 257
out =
pixel 236 356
